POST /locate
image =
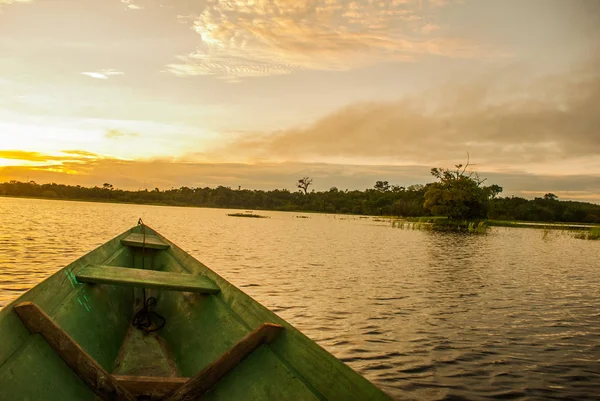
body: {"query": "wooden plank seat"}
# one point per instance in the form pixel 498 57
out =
pixel 147 241
pixel 114 275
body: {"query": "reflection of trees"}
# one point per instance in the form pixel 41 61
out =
pixel 457 263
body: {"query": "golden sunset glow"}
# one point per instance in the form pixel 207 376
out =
pixel 259 92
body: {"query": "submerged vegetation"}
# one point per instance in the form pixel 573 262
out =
pixel 592 234
pixel 256 216
pixel 443 225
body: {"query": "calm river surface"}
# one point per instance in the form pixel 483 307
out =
pixel 508 315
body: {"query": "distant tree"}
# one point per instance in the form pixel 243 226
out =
pixel 382 186
pixel 107 186
pixel 304 183
pixel 550 196
pixel 494 190
pixel 459 194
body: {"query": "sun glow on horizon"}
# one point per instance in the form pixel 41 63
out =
pixel 235 93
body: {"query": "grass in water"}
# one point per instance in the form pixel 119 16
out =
pixel 422 223
pixel 545 233
pixel 442 225
pixel 461 226
pixel 593 234
pixel 256 216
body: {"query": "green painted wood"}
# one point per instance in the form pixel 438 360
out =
pixel 151 387
pixel 196 386
pixel 98 317
pixel 248 381
pixel 94 317
pixel 142 354
pixel 324 375
pixel 147 279
pixel 148 241
pixel 36 372
pixel 208 326
pixel 84 366
pixel 52 294
pixel 199 329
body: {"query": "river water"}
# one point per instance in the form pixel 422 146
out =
pixel 514 314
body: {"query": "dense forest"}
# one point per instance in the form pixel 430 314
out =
pixel 382 199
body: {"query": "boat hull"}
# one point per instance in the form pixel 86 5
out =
pixel 200 328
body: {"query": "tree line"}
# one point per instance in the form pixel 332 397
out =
pixel 456 194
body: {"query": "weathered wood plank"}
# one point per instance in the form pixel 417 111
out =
pixel 196 386
pixel 149 241
pixel 90 372
pixel 150 386
pixel 147 278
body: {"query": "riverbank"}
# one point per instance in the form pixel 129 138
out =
pixel 443 224
pixel 508 223
pixel 440 221
pixel 408 201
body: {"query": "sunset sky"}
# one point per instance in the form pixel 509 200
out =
pixel 258 93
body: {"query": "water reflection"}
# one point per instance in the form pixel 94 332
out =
pixel 423 315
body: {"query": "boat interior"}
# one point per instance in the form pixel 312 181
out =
pixel 140 319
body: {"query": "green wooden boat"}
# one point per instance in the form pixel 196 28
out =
pixel 140 319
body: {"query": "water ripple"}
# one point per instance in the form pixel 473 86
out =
pixel 423 315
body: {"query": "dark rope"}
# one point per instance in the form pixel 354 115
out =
pixel 143 317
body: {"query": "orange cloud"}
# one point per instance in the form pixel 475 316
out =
pixel 551 121
pixel 80 153
pixel 103 74
pixel 28 156
pixel 129 4
pixel 429 28
pixel 13 1
pixel 438 3
pixel 115 133
pixel 245 38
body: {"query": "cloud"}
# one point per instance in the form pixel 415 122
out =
pixel 248 38
pixel 80 153
pixel 2 2
pixel 28 156
pixel 130 5
pixel 438 3
pixel 501 118
pixel 103 74
pixel 429 28
pixel 115 133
